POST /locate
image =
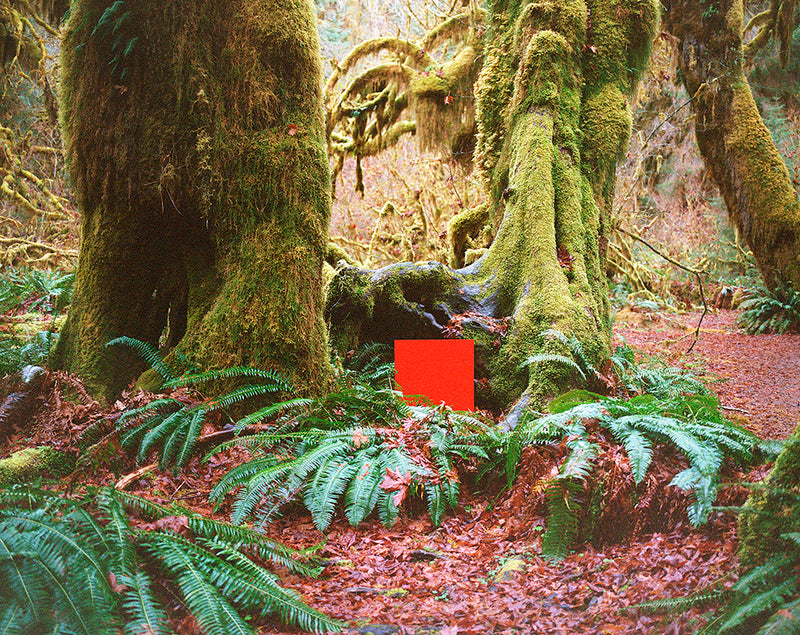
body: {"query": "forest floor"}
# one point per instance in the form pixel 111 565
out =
pixel 480 572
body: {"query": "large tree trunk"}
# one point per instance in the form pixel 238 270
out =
pixel 734 142
pixel 196 145
pixel 553 120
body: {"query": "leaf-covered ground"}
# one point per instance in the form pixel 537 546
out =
pixel 479 572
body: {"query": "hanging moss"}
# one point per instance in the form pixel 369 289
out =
pixel 552 122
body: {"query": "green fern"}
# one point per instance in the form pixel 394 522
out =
pixel 766 311
pixel 175 426
pixel 62 570
pixel 654 377
pixel 694 426
pixel 361 445
pixel 575 360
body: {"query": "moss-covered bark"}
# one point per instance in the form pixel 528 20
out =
pixel 553 119
pixel 773 510
pixel 734 142
pixel 28 464
pixel 196 145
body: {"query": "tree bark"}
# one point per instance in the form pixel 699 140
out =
pixel 772 510
pixel 196 145
pixel 553 120
pixel 735 144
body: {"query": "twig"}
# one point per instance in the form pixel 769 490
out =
pixel 133 476
pixel 694 272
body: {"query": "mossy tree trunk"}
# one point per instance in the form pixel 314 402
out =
pixel 196 145
pixel 774 509
pixel 735 144
pixel 553 120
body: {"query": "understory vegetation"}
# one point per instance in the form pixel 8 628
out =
pixel 638 446
pixel 109 561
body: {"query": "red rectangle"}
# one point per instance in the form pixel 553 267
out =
pixel 439 370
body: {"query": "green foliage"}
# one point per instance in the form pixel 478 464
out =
pixel 767 311
pixel 575 360
pixel 654 377
pixel 765 600
pixel 35 290
pixel 174 424
pixel 16 353
pixel 82 566
pixel 692 424
pixel 361 444
pixel 114 29
pixel 32 291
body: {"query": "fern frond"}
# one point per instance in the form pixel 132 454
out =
pixel 273 409
pixel 553 358
pixel 160 432
pixel 147 352
pixel 143 613
pixel 562 517
pixel 259 589
pixel 760 603
pixel 325 489
pixel 784 621
pixel 362 494
pixel 241 394
pixel 193 431
pixel 682 604
pixel 212 610
pixel 637 446
pixel 437 504
pixel 278 382
pixel 266 548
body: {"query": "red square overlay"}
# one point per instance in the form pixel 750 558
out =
pixel 439 370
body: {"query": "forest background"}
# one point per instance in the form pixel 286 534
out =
pixel 664 195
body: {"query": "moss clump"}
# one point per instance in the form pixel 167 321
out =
pixel 28 464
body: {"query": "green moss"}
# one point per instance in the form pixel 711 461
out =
pixel 206 202
pixel 775 508
pixel 30 463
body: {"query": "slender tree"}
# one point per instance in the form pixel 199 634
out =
pixel 553 119
pixel 196 145
pixel 735 144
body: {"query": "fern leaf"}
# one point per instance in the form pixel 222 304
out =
pixel 143 614
pixel 269 411
pixel 242 394
pixel 637 447
pixel 278 382
pixel 146 351
pixel 161 431
pixel 212 611
pixel 266 548
pixel 786 621
pixel 437 504
pixel 551 358
pixel 362 494
pixel 760 603
pixel 262 591
pixel 562 518
pixel 192 435
pixel 323 493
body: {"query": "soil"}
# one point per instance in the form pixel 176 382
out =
pixel 757 377
pixel 480 571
